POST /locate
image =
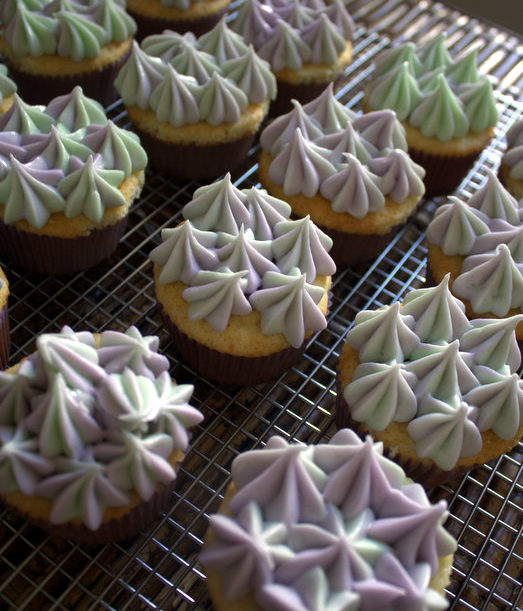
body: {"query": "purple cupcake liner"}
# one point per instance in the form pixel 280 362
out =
pixel 227 368
pixel 5 342
pixel 54 255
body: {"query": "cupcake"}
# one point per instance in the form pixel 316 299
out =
pixel 239 285
pixel 92 430
pixel 441 392
pixel 329 526
pixel 4 320
pixel 196 16
pixel 68 178
pixel 350 173
pixel 511 169
pixel 7 89
pixel 308 44
pixel 196 103
pixel 448 109
pixel 51 49
pixel 480 243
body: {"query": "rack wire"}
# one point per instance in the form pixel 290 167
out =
pixel 159 568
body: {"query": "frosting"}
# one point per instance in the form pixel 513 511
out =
pixel 184 79
pixel 427 365
pixel 513 157
pixel 85 421
pixel 327 527
pixel 445 99
pixel 65 159
pixel 7 86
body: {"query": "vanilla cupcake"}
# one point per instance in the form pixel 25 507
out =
pixel 51 49
pixel 68 178
pixel 350 173
pixel 511 168
pixel 240 286
pixel 441 392
pixel 92 432
pixel 7 89
pixel 308 44
pixel 4 320
pixel 329 526
pixel 447 108
pixel 196 103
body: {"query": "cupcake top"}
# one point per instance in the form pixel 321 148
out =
pixel 7 86
pixel 488 233
pixel 290 33
pixel 237 251
pixel 65 157
pixel 426 365
pixel 443 97
pixel 328 526
pixel 68 28
pixel 353 161
pixel 513 157
pixel 184 79
pixel 87 419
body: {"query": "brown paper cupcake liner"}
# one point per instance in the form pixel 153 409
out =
pixel 5 343
pixel 443 173
pixel 303 92
pixel 41 88
pixel 118 529
pixel 54 255
pixel 429 476
pixel 228 368
pixel 147 26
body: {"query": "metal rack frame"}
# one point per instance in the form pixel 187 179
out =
pixel 159 569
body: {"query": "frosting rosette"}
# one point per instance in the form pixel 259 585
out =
pixel 329 526
pixel 242 279
pixel 91 428
pixel 511 168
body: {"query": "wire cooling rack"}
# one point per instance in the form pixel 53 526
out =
pixel 159 569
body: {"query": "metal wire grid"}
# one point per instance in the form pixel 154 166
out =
pixel 159 569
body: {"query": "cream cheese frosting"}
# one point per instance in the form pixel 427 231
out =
pixel 69 158
pixel 330 526
pixel 448 378
pixel 238 250
pixel 486 232
pixel 85 420
pixel 513 156
pixel 184 79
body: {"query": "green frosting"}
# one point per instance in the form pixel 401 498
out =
pixel 222 43
pixel 435 54
pixel 396 89
pixel 175 100
pixel 480 105
pixel 116 22
pixel 395 56
pixel 25 119
pixel 464 69
pixel 325 40
pixel 78 37
pixel 31 33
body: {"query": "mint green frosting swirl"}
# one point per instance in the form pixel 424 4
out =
pixel 396 89
pixel 325 40
pixel 253 76
pixel 192 61
pixel 117 24
pixel 480 104
pixel 435 53
pixel 464 69
pixel 31 33
pixel 24 118
pixel 221 101
pixel 78 37
pixel 56 148
pixel 175 99
pixel 222 43
pixel 395 56
pixel 285 48
pixel 75 110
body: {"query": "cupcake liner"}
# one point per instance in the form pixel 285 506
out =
pixel 228 368
pixel 194 162
pixel 429 476
pixel 54 255
pixel 41 88
pixel 147 26
pixel 118 529
pixel 443 173
pixel 303 92
pixel 5 343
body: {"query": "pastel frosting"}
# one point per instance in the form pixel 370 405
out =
pixel 289 34
pixel 84 420
pixel 238 250
pixel 69 29
pixel 328 526
pixel 513 157
pixel 444 98
pixel 448 378
pixel 486 232
pixel 69 158
pixel 184 79
pixel 356 162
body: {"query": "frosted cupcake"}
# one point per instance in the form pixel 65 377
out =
pixel 68 178
pixel 92 430
pixel 308 44
pixel 7 89
pixel 196 103
pixel 511 169
pixel 350 173
pixel 52 48
pixel 480 242
pixel 4 320
pixel 447 108
pixel 441 392
pixel 328 526
pixel 240 286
